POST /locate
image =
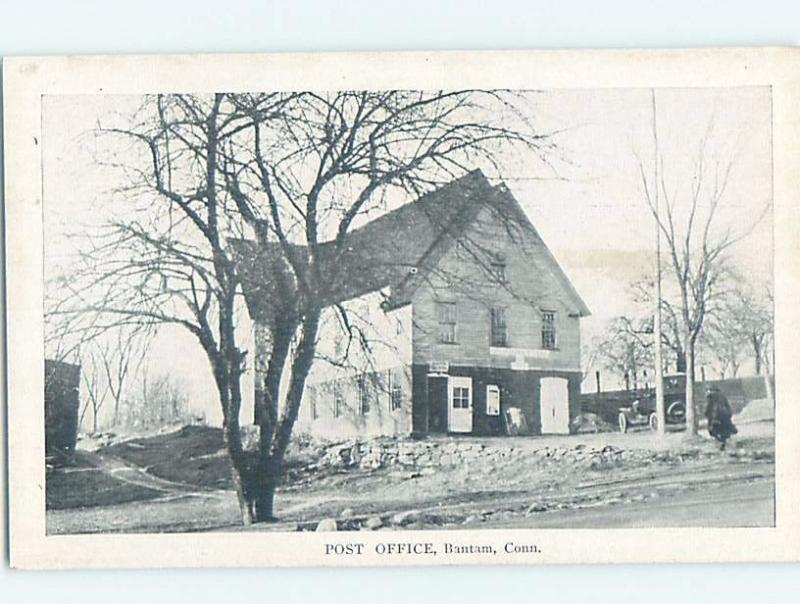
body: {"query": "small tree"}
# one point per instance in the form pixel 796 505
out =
pixel 625 350
pixel 161 399
pixel 95 386
pixel 120 360
pixel 743 322
pixel 108 362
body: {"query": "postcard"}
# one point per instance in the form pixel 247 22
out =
pixel 403 308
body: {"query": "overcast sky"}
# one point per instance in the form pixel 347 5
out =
pixel 592 214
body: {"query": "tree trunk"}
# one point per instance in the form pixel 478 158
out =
pixel 242 495
pixel 255 487
pixel 680 361
pixel 261 492
pixel 757 352
pixel 691 415
pixel 768 379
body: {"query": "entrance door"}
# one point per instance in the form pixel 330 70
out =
pixel 459 407
pixel 554 405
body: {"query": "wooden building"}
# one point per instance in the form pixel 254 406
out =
pixel 464 322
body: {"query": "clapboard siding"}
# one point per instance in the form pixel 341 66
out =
pixel 463 276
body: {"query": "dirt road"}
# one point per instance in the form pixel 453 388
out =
pixel 734 505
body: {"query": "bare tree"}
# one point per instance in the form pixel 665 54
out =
pixel 120 360
pixel 96 387
pixel 641 291
pixel 696 244
pixel 743 322
pixel 625 349
pixel 725 343
pixel 291 173
pixel 161 399
pixel 752 315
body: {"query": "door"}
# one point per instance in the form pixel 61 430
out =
pixel 459 408
pixel 554 405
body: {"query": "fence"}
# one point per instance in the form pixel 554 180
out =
pixel 739 392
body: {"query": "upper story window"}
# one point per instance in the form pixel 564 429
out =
pixel 395 391
pixel 363 395
pixel 499 328
pixel 549 329
pixel 338 400
pixel 446 314
pixel 498 269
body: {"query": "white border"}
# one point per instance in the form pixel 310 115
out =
pixel 25 80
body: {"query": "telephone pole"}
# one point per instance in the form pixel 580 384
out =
pixel 661 412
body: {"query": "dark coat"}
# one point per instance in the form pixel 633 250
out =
pixel 718 414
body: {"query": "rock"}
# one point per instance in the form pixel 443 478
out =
pixel 407 461
pixel 371 463
pixel 355 454
pixel 374 522
pixel 403 518
pixel 537 507
pixel 328 524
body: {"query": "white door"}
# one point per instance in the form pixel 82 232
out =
pixel 554 405
pixel 459 406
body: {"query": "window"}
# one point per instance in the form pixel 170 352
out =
pixel 498 269
pixel 549 329
pixel 338 400
pixel 447 322
pixel 499 330
pixel 460 397
pixel 492 400
pixel 395 392
pixel 312 403
pixel 363 395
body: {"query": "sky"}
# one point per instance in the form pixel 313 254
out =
pixel 591 211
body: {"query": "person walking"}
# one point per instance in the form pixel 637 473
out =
pixel 718 414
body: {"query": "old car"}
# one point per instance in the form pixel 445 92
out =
pixel 642 411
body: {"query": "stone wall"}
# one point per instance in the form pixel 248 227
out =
pixel 427 456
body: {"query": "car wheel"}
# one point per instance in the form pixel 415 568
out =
pixel 622 420
pixel 653 422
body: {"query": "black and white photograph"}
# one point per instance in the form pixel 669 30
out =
pixel 355 310
pixel 369 313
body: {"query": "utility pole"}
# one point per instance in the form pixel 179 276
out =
pixel 661 411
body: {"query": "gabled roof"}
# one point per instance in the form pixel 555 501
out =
pixel 395 250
